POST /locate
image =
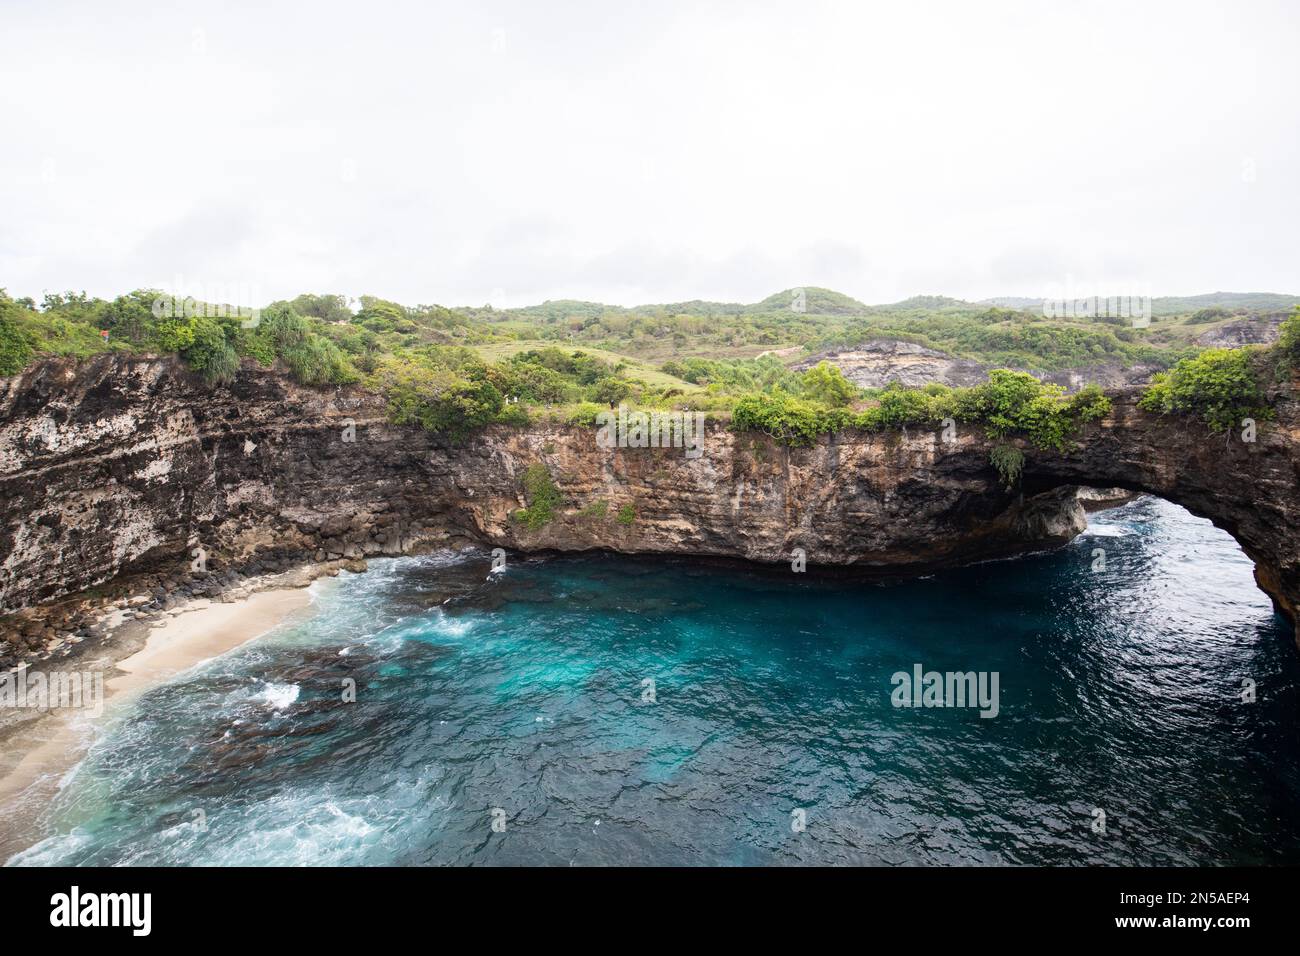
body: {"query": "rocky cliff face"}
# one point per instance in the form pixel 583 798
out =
pixel 876 363
pixel 130 466
pixel 1255 330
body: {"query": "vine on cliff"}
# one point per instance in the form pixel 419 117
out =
pixel 1010 462
pixel 542 496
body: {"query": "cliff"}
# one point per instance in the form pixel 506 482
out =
pixel 127 466
pixel 878 362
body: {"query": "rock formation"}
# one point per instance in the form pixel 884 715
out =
pixel 878 362
pixel 134 467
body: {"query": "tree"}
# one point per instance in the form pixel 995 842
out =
pixel 825 383
pixel 129 317
pixel 1289 339
pixel 611 390
pixel 437 398
pixel 211 353
pixel 15 344
pixel 331 308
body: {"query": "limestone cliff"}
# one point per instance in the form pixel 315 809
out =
pixel 126 466
pixel 879 362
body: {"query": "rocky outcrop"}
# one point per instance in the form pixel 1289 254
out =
pixel 134 467
pixel 1099 499
pixel 1254 330
pixel 877 363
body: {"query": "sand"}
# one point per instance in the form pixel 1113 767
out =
pixel 34 761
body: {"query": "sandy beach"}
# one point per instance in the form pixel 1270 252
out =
pixel 34 760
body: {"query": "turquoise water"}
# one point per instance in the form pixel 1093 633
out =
pixel 523 699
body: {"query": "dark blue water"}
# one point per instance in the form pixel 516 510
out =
pixel 525 699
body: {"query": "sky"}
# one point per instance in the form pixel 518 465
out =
pixel 509 153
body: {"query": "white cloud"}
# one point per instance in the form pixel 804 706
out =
pixel 514 152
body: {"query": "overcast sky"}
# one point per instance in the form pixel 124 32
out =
pixel 514 152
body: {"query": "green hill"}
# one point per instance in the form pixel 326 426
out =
pixel 817 301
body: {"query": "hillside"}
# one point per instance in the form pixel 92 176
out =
pixel 334 338
pixel 1237 302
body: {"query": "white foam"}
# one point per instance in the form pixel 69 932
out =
pixel 1106 531
pixel 452 626
pixel 280 696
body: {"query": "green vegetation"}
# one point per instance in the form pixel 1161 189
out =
pixel 211 338
pixel 542 496
pixel 789 420
pixel 438 397
pixel 1239 303
pixel 1219 386
pixel 626 515
pixel 1004 337
pixel 455 370
pixel 825 384
pixel 1010 462
pixel 991 332
pixel 642 338
pixel 1009 403
pixel 1017 403
pixel 1203 316
pixel 632 368
pixel 211 351
pixel 1288 343
pixel 16 346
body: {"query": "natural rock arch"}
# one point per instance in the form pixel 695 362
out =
pixel 119 465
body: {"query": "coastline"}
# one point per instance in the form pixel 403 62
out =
pixel 37 754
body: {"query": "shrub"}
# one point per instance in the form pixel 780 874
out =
pixel 542 496
pixel 789 420
pixel 284 327
pixel 626 515
pixel 535 383
pixel 1009 403
pixel 171 334
pixel 1088 404
pixel 1212 314
pixel 436 398
pixel 318 361
pixel 610 390
pixel 1288 342
pixel 514 415
pixel 908 406
pixel 1016 402
pixel 129 317
pixel 825 383
pixel 1218 386
pixel 16 346
pixel 259 347
pixel 584 414
pixel 595 511
pixel 210 352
